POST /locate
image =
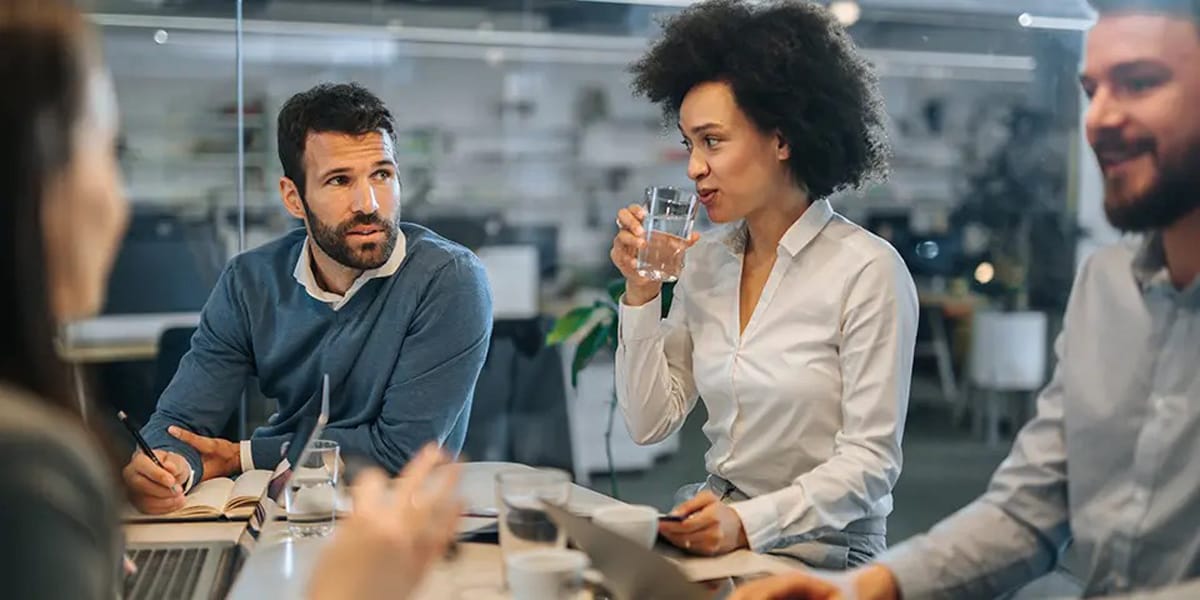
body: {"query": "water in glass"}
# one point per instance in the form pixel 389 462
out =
pixel 524 524
pixel 311 496
pixel 668 225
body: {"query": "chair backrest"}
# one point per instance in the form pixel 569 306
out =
pixel 172 345
pixel 165 264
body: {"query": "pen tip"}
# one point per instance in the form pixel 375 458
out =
pixel 121 415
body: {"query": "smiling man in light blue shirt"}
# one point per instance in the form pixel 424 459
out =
pixel 1111 460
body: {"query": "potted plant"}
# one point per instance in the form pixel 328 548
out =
pixel 1016 195
pixel 596 325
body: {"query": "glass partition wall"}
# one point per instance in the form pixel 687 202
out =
pixel 518 130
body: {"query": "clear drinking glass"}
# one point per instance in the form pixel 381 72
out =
pixel 670 213
pixel 524 524
pixel 311 498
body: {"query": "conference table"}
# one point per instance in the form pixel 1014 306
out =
pixel 279 565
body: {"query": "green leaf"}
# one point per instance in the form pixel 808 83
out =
pixel 668 294
pixel 566 326
pixel 611 338
pixel 616 288
pixel 586 350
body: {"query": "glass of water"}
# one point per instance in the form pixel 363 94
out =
pixel 670 213
pixel 524 524
pixel 311 497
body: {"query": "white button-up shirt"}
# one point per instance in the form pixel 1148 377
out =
pixel 304 275
pixel 806 407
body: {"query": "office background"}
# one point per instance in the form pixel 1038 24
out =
pixel 520 139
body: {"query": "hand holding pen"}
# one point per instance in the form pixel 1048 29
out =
pixel 155 478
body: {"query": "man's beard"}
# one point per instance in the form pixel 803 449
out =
pixel 332 240
pixel 1175 194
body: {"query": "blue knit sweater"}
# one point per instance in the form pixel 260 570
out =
pixel 403 354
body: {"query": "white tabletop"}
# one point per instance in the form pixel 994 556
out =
pixel 280 566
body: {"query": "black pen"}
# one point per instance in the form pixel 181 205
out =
pixel 142 445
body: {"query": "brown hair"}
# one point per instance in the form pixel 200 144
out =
pixel 43 64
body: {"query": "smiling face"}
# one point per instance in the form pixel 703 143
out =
pixel 1140 74
pixel 737 168
pixel 351 204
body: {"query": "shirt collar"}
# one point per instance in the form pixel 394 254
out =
pixel 306 278
pixel 1150 263
pixel 796 238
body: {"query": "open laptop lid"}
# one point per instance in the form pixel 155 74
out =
pixel 630 570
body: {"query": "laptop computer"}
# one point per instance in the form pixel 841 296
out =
pixel 206 570
pixel 629 570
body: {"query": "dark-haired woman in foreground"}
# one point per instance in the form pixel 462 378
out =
pixel 62 214
pixel 793 324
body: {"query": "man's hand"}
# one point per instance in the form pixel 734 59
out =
pixel 399 529
pixel 153 489
pixel 875 582
pixel 221 458
pixel 711 527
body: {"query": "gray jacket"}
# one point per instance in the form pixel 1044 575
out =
pixel 58 506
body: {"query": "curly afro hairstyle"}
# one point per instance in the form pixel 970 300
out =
pixel 793 69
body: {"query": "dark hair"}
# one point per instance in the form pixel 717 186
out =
pixel 43 44
pixel 793 69
pixel 342 108
pixel 1181 8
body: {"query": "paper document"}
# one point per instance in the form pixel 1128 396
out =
pixel 742 563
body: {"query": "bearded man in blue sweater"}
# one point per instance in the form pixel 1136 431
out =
pixel 398 317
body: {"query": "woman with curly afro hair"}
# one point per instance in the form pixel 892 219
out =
pixel 793 324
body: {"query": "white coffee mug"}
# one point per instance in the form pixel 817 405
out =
pixel 638 523
pixel 546 574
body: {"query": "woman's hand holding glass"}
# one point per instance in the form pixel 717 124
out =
pixel 630 238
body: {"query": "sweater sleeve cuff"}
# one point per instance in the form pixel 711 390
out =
pixel 247 455
pixel 910 568
pixel 640 322
pixel 265 453
pixel 191 455
pixel 760 519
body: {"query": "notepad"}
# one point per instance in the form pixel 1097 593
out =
pixel 220 497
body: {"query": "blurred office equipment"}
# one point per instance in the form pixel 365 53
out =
pixel 167 263
pixel 1008 360
pixel 932 259
pixel 543 237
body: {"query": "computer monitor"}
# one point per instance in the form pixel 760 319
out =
pixel 542 236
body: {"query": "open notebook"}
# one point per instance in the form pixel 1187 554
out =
pixel 216 498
